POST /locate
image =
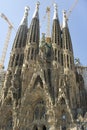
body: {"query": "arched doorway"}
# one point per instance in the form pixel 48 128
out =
pixel 44 127
pixel 35 128
pixel 63 127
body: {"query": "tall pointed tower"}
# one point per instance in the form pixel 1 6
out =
pixel 11 92
pixel 17 53
pixel 68 60
pixel 19 44
pixel 56 37
pixel 67 45
pixel 32 47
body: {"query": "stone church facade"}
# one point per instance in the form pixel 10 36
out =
pixel 42 89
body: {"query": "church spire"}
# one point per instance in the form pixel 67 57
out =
pixel 33 34
pixel 56 31
pixel 24 20
pixel 17 54
pixel 64 19
pixel 55 11
pixel 36 14
pixel 67 45
pixel 56 35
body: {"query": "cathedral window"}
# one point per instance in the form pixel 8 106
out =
pixel 32 53
pixel 21 59
pixel 55 54
pixel 61 43
pixel 62 59
pixel 42 113
pixel 24 37
pixel 59 56
pixel 16 41
pixel 55 35
pixel 20 39
pixel 61 39
pixel 35 53
pixel 34 33
pixel 66 42
pixel 67 61
pixel 36 113
pixel 39 112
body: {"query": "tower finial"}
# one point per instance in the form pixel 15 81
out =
pixel 64 19
pixel 35 15
pixel 26 11
pixel 24 19
pixel 55 11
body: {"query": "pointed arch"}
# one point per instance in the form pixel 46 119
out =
pixel 38 76
pixel 62 101
pixel 62 98
pixel 30 90
pixel 38 82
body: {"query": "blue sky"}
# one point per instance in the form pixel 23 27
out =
pixel 14 10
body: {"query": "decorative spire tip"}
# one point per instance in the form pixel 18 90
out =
pixel 64 19
pixel 55 11
pixel 24 19
pixel 35 15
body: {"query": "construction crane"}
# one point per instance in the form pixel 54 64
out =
pixel 48 16
pixel 71 9
pixel 10 26
pixel 48 39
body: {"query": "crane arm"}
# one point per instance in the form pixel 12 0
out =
pixel 10 26
pixel 6 19
pixel 71 9
pixel 3 56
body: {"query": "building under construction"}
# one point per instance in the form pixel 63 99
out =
pixel 3 56
pixel 43 89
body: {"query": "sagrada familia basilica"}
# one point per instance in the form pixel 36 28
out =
pixel 43 89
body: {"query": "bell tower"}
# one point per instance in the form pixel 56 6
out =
pixel 32 46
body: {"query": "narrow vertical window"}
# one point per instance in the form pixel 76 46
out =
pixel 67 61
pixel 32 52
pixel 62 59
